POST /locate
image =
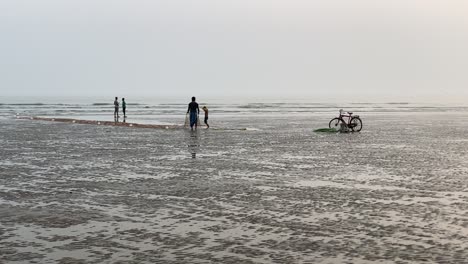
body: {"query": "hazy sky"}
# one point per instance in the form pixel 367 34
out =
pixel 221 47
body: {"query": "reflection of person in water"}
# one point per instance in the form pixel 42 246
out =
pixel 194 112
pixel 193 144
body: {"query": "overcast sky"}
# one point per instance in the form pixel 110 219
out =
pixel 243 47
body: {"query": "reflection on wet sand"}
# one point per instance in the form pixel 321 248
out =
pixel 193 143
pixel 97 122
pixel 281 194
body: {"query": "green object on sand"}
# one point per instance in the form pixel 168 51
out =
pixel 326 130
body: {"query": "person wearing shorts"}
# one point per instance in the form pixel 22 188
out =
pixel 205 109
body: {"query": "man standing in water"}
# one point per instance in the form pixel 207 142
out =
pixel 116 107
pixel 124 107
pixel 194 112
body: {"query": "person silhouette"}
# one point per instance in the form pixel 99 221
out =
pixel 205 109
pixel 194 112
pixel 116 108
pixel 124 107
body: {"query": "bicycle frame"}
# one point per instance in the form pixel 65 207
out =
pixel 349 116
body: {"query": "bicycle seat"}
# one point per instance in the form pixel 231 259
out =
pixel 350 113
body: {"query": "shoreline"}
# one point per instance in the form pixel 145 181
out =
pixel 99 123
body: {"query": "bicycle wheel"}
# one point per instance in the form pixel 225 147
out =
pixel 335 123
pixel 356 124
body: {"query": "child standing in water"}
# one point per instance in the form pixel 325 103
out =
pixel 205 109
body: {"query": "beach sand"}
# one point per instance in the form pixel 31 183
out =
pixel 117 122
pixel 279 193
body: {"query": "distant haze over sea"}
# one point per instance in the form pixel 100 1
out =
pixel 346 97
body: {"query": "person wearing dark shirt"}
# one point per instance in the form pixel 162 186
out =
pixel 116 107
pixel 194 112
pixel 124 107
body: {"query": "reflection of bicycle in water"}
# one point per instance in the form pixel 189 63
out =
pixel 353 122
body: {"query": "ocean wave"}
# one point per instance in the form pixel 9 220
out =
pixel 26 104
pixel 249 106
pixel 398 103
pixel 106 104
pixel 143 108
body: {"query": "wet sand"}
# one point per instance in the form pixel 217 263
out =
pixel 118 122
pixel 395 193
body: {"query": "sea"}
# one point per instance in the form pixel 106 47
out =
pixel 172 110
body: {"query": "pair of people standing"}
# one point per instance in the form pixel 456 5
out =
pixel 194 112
pixel 116 107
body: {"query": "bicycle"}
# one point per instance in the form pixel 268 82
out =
pixel 354 122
